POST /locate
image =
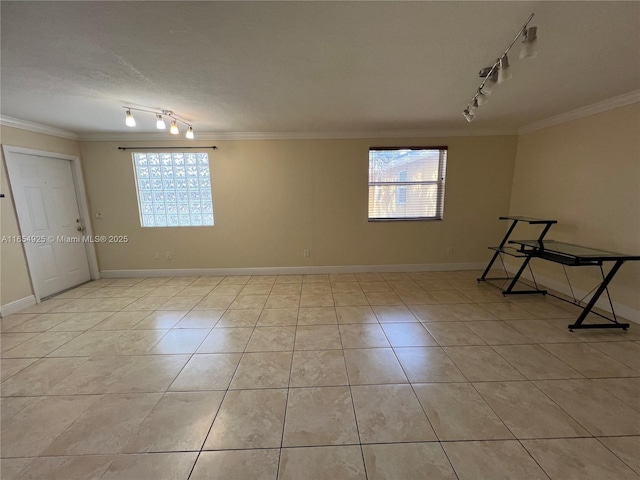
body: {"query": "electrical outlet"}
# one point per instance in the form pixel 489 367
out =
pixel 306 253
pixel 167 255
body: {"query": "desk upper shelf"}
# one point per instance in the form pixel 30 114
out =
pixel 530 220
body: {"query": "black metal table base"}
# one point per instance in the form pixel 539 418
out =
pixel 579 326
pixel 500 249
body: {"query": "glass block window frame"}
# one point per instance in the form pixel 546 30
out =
pixel 173 189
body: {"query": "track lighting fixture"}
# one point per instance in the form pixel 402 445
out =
pixel 160 123
pixel 499 72
pixel 129 120
pixel 504 73
pixel 482 97
pixel 474 106
pixel 470 116
pixel 529 43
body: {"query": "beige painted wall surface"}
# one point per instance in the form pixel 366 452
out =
pixel 15 283
pixel 586 174
pixel 273 199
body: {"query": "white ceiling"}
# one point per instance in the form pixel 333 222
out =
pixel 309 66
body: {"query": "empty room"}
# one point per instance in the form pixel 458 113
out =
pixel 320 240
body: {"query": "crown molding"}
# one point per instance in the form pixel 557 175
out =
pixel 603 106
pixel 123 137
pixel 37 128
pixel 615 102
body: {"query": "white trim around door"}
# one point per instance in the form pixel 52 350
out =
pixel 13 152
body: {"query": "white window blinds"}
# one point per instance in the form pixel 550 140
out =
pixel 407 183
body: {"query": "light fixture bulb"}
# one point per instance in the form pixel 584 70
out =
pixel 504 72
pixel 129 120
pixel 529 43
pixel 470 116
pixel 160 125
pixel 174 128
pixel 490 80
pixel 487 88
pixel 190 133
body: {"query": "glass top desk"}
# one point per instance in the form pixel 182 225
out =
pixel 576 256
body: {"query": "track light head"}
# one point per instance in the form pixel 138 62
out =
pixel 504 73
pixel 529 43
pixel 189 134
pixel 174 128
pixel 470 116
pixel 129 121
pixel 491 76
pixel 484 73
pixel 487 88
pixel 160 125
pixel 482 97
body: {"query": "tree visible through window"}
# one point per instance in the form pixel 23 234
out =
pixel 402 190
pixel 174 189
pixel 407 183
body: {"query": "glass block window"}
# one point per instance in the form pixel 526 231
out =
pixel 174 189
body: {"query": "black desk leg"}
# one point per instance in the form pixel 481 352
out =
pixel 544 232
pixel 486 270
pixel 509 289
pixel 585 311
pixel 495 255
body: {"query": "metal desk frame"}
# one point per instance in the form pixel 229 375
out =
pixel 504 249
pixel 578 256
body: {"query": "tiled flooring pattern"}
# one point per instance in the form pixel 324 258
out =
pixel 349 376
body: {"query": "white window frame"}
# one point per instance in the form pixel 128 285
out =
pixel 440 182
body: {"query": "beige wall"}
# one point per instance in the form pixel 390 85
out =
pixel 273 199
pixel 14 275
pixel 586 174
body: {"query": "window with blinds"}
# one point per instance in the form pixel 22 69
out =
pixel 174 189
pixel 407 183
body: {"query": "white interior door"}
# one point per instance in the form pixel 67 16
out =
pixel 47 206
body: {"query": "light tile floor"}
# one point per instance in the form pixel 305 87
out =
pixel 347 376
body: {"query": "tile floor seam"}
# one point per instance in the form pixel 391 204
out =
pixel 534 459
pixel 165 390
pixel 616 454
pixel 286 400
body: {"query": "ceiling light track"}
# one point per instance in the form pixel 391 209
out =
pixel 165 148
pixel 174 118
pixel 499 72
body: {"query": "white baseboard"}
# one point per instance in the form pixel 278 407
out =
pixel 15 307
pixel 305 270
pixel 625 311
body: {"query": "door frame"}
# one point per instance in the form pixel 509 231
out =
pixel 11 152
